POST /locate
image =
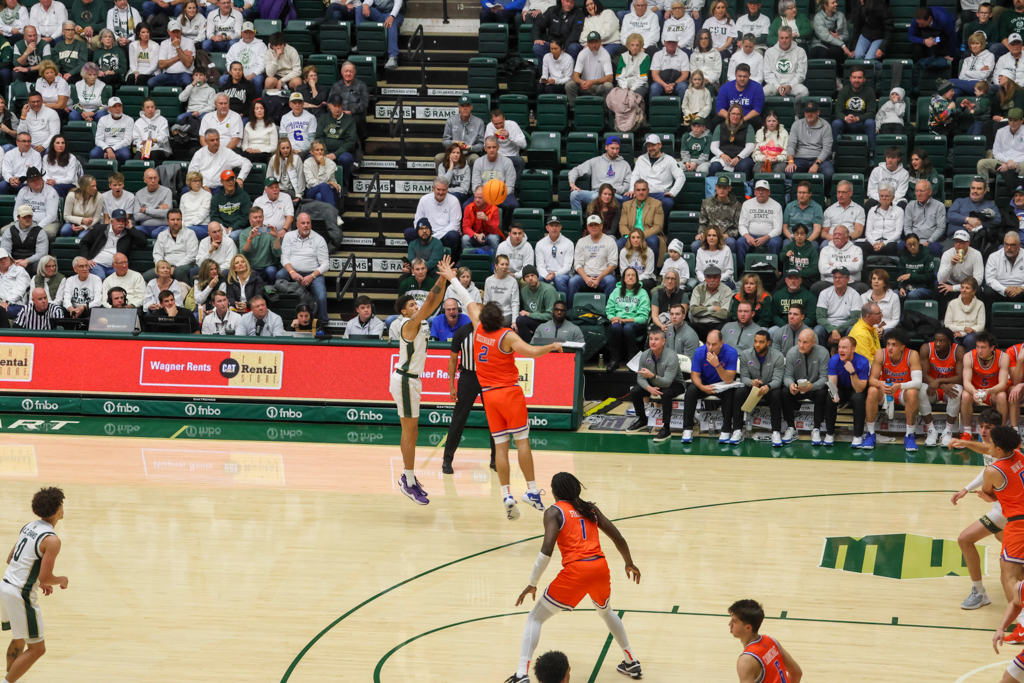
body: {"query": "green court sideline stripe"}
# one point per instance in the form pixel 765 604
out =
pixel 604 653
pixel 607 643
pixel 183 428
pixel 318 636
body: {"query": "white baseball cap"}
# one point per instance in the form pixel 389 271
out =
pixel 762 185
pixel 962 236
pixel 112 101
pixel 4 254
pixel 248 26
pixel 652 139
pixel 594 219
pixel 173 25
pixel 1014 38
pixel 24 210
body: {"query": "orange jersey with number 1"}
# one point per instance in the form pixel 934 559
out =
pixel 767 652
pixel 578 537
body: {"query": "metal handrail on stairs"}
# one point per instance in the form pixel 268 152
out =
pixel 339 289
pixel 371 200
pixel 397 130
pixel 417 52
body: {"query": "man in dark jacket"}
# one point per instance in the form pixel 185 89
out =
pixel 563 21
pixel 855 109
pixel 337 130
pixel 933 33
pixel 94 246
pixel 354 95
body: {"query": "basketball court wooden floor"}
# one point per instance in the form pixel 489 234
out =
pixel 254 561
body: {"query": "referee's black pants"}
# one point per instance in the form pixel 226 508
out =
pixel 468 389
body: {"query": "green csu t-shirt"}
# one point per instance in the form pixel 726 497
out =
pixel 1011 22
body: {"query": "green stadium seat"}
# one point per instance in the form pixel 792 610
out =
pixel 101 170
pixel 598 300
pixel 564 191
pixel 691 261
pixel 784 107
pixel 133 171
pixel 481 106
pixel 299 33
pixel 937 147
pixel 692 194
pixel 889 67
pixel 817 181
pixel 683 226
pixel 930 80
pixel 524 41
pixel 572 222
pixel 372 39
pixel 962 185
pixel 81 136
pixel 335 39
pixel 858 181
pixel 900 46
pixel 851 153
pixel 545 151
pixel 479 264
pixel 922 114
pixel 884 142
pixel 482 75
pixel 166 100
pixel 326 69
pixel 665 114
pixel 266 28
pixel 1007 322
pixel 219 60
pixel 777 183
pixel 366 71
pixel 493 41
pixel 589 114
pixel 253 184
pixel 821 77
pixel 533 222
pixel 536 188
pixel 7 203
pixel 967 150
pixel 524 79
pixel 309 9
pixel 552 113
pixel 924 306
pixel 516 108
pixel 132 97
pixel 580 147
pixel 869 71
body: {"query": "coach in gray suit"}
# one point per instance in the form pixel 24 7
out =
pixel 804 380
pixel 761 367
pixel 657 378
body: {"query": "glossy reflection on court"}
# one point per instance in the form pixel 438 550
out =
pixel 224 560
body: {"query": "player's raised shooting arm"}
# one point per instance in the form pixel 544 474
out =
pixel 472 308
pixel 432 301
pixel 792 668
pixel 50 547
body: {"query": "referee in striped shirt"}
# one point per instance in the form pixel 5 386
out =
pixel 464 396
pixel 40 313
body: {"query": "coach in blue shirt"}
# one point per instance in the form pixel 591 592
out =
pixel 713 363
pixel 444 326
pixel 848 371
pixel 744 92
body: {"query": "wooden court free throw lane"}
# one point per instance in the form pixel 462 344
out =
pixel 249 561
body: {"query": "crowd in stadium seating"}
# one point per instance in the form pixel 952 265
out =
pixel 794 275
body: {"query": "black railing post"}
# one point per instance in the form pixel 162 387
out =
pixel 371 201
pixel 397 130
pixel 340 290
pixel 417 53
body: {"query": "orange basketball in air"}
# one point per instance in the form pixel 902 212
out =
pixel 495 191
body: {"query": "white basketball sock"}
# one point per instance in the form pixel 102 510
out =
pixel 541 612
pixel 410 477
pixel 980 585
pixel 910 430
pixel 614 623
pixel 871 427
pixel 506 490
pixel 531 486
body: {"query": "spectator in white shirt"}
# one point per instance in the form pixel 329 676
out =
pixel 14 284
pixel 760 223
pixel 641 20
pixel 958 264
pixel 443 211
pixel 114 134
pixel 260 321
pixel 25 241
pixel 1004 273
pixel 82 292
pixel 175 59
pixel 299 126
pixel 250 52
pixel 511 140
pixel 304 259
pixel 222 320
pixel 670 69
pixel 48 16
pixel 595 259
pixel 177 246
pixel 840 252
pixel 224 121
pixel 593 74
pixel 16 163
pixel 365 323
pixel 215 248
pixel 213 159
pixel 278 210
pixel 680 25
pixel 41 123
pixel 884 226
pixel 557 68
pixel 43 200
pixel 131 281
pixel 518 250
pixel 748 54
pixel 224 28
pixel 554 255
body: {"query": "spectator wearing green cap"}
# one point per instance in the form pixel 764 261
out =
pixel 1007 152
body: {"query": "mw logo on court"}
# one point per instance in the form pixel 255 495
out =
pixel 896 556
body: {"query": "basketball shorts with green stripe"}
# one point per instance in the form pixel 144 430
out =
pixel 20 614
pixel 406 392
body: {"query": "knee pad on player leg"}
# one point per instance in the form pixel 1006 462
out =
pixel 924 404
pixel 953 406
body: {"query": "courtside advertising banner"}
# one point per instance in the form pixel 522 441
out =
pixel 321 372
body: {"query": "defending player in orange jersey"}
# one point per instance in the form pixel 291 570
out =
pixel 763 659
pixel 1004 481
pixel 573 524
pixel 494 349
pixel 986 377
